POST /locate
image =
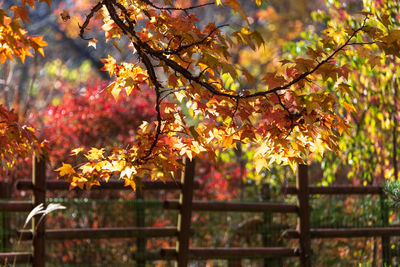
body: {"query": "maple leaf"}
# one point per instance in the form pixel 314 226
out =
pixel 31 3
pixel 201 102
pixel 95 154
pixel 66 169
pixel 273 80
pixel 37 43
pixel 20 12
pixel 76 151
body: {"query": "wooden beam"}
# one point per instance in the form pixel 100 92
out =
pixel 185 214
pixel 291 234
pixel 110 185
pixel 16 206
pixel 8 258
pixel 386 251
pixel 355 232
pixel 231 253
pixel 236 207
pixel 103 233
pixel 153 256
pixel 303 222
pixel 338 190
pixel 39 197
pixel 346 232
pixel 140 220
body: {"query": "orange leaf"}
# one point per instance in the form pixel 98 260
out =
pixel 20 12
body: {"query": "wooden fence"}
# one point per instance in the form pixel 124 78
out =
pixel 183 253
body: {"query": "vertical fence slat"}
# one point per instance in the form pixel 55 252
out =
pixel 185 213
pixel 5 193
pixel 386 253
pixel 39 196
pixel 140 222
pixel 304 215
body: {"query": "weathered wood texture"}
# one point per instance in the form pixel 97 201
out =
pixel 102 233
pixel 38 224
pixel 110 185
pixel 236 207
pixel 185 214
pixel 337 190
pixel 303 222
pixel 230 253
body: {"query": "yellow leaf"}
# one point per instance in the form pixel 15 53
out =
pixel 260 163
pixel 129 85
pixel 349 107
pixel 130 183
pixel 95 154
pixel 128 172
pixel 76 151
pixel 145 127
pixel 66 169
pixel 87 168
pixel 114 89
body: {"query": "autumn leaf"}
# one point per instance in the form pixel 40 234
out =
pixel 65 16
pixel 76 151
pixel 31 3
pixel 20 12
pixel 66 170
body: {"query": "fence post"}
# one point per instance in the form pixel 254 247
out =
pixel 269 231
pixel 304 215
pixel 386 253
pixel 140 222
pixel 39 196
pixel 185 213
pixel 5 193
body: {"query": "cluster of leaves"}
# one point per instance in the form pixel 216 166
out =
pixel 370 151
pixel 16 140
pixel 392 189
pixel 287 112
pixel 14 39
pixel 88 118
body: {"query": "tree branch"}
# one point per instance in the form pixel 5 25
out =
pixel 148 2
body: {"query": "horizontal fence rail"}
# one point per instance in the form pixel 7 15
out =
pixel 16 206
pixel 337 190
pixel 346 232
pixel 355 232
pixel 236 207
pixel 110 185
pixel 232 253
pixel 8 258
pixel 101 233
pixel 182 232
pixel 153 256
